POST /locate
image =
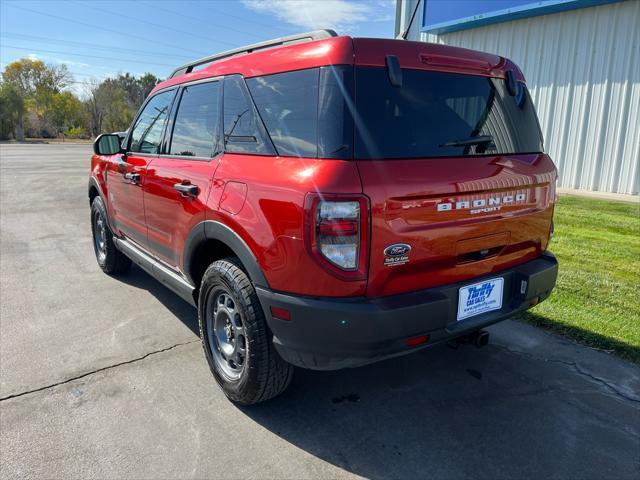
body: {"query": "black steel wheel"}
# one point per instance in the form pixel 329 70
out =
pixel 225 334
pixel 235 337
pixel 110 259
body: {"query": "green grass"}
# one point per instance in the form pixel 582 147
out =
pixel 596 300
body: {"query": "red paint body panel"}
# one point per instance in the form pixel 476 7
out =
pixel 126 199
pixel 171 216
pixel 350 51
pixel 271 220
pixel 262 198
pixel 404 195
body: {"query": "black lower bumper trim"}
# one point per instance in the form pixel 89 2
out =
pixel 334 333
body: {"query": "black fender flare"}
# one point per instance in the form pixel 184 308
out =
pixel 213 230
pixel 93 183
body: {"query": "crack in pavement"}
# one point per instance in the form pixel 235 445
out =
pixel 576 368
pixel 98 370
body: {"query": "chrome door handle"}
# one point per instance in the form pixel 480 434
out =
pixel 132 177
pixel 186 189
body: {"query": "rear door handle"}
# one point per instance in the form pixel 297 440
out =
pixel 132 177
pixel 186 189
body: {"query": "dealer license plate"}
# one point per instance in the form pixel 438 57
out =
pixel 480 298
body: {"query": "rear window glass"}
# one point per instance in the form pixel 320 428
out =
pixel 432 114
pixel 195 130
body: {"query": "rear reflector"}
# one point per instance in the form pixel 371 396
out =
pixel 281 313
pixel 419 340
pixel 338 228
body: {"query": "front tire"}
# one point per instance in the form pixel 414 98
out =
pixel 110 259
pixel 235 337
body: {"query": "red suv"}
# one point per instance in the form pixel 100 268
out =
pixel 328 201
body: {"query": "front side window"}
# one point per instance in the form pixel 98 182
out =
pixel 436 114
pixel 195 130
pixel 243 129
pixel 147 132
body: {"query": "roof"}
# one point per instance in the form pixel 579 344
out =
pixel 528 10
pixel 344 50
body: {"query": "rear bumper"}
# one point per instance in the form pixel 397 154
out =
pixel 329 334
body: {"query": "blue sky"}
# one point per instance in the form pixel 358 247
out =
pixel 445 10
pixel 96 39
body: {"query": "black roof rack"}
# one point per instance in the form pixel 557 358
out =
pixel 300 37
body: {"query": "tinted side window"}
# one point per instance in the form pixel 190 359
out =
pixel 195 130
pixel 335 112
pixel 288 104
pixel 308 113
pixel 147 132
pixel 243 129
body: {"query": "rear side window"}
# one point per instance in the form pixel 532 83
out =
pixel 432 113
pixel 288 105
pixel 243 129
pixel 195 130
pixel 307 112
pixel 146 135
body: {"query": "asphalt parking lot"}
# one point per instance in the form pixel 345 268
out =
pixel 104 377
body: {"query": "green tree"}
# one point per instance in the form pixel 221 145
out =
pixel 29 76
pixel 112 104
pixel 12 109
pixel 66 112
pixel 38 83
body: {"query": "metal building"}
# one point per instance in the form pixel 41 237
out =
pixel 581 59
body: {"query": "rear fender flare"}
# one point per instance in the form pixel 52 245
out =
pixel 212 230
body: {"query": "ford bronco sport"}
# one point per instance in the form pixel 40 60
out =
pixel 327 201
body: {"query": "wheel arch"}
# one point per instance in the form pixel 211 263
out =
pixel 211 240
pixel 94 189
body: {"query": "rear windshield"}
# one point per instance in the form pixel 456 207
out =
pixel 342 112
pixel 434 114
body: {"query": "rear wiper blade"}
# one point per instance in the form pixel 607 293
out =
pixel 479 140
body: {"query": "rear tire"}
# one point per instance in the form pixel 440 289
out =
pixel 235 337
pixel 110 259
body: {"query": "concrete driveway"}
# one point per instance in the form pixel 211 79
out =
pixel 104 377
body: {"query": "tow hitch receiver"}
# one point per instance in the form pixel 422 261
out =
pixel 478 338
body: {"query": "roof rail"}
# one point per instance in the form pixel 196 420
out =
pixel 300 37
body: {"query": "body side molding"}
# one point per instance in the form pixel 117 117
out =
pixel 156 269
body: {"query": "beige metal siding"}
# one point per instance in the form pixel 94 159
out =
pixel 583 71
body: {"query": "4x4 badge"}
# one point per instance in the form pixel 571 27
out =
pixel 396 254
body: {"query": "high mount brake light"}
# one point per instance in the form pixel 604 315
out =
pixel 337 233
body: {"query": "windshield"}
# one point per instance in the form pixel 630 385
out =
pixel 435 114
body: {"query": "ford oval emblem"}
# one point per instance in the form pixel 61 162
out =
pixel 397 250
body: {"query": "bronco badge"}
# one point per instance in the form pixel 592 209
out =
pixel 396 254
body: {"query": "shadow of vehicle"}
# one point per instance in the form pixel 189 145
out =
pixel 138 278
pixel 445 413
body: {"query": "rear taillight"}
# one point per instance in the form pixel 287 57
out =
pixel 337 233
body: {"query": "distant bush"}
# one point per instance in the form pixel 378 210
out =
pixel 77 132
